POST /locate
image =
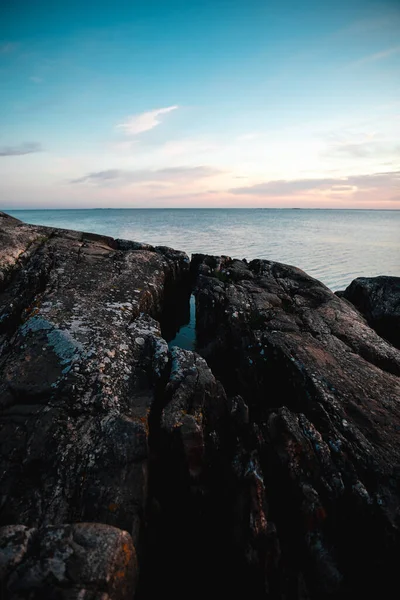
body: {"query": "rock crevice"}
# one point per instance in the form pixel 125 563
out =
pixel 266 463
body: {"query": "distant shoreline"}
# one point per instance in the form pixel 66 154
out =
pixel 200 208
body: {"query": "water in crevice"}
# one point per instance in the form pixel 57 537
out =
pixel 185 337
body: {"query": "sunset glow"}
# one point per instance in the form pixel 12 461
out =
pixel 192 104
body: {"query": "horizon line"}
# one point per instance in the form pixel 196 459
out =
pixel 199 208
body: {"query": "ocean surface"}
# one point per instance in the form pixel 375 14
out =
pixel 335 246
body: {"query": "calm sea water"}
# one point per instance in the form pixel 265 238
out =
pixel 334 246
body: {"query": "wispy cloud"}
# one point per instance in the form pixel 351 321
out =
pixel 36 79
pixel 101 176
pixel 288 187
pixel 27 148
pixel 144 121
pixel 364 149
pixel 123 176
pixel 8 47
pixel 282 187
pixel 248 137
pixel 353 149
pixel 377 56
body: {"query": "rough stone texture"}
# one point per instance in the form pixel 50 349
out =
pixel 79 361
pixel 324 398
pixel 378 300
pixel 67 562
pixel 211 515
pixel 267 465
pixel 195 409
pixel 185 438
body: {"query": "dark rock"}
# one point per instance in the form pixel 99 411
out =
pixel 378 300
pixel 85 560
pixel 80 360
pixel 211 514
pixel 266 465
pixel 195 409
pixel 184 441
pixel 323 392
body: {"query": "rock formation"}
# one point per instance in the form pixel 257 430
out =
pixel 265 465
pixel 378 300
pixel 323 392
pixel 84 560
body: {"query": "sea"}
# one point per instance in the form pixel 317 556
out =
pixel 334 246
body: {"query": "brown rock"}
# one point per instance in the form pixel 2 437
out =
pixel 85 560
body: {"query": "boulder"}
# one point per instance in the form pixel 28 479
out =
pixel 83 560
pixel 378 300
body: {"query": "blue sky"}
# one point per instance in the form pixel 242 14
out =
pixel 200 103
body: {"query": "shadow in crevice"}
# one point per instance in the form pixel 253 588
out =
pixel 185 337
pixel 178 323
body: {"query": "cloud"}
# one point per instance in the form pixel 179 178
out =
pixel 282 187
pixel 27 148
pixel 100 176
pixel 248 137
pixel 187 146
pixel 144 121
pixel 356 150
pixel 373 139
pixel 172 174
pixel 288 187
pixel 8 47
pixel 375 180
pixel 36 79
pixel 371 58
pixel 363 149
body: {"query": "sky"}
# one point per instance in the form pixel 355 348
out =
pixel 200 103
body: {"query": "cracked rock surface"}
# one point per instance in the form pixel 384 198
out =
pixel 80 356
pixel 264 465
pixel 85 560
pixel 323 391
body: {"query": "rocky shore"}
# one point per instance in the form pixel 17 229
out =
pixel 265 465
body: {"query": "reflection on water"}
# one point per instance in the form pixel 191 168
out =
pixel 186 335
pixel 334 246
